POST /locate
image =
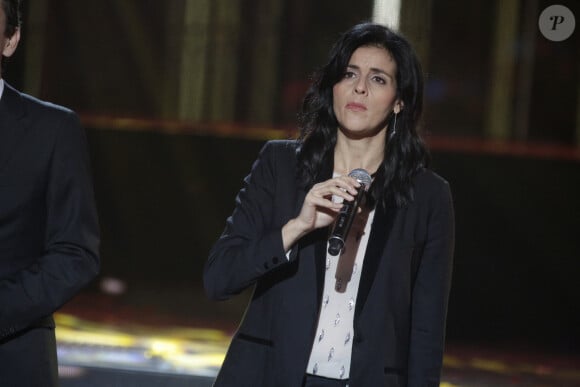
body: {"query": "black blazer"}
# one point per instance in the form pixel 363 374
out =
pixel 400 312
pixel 49 235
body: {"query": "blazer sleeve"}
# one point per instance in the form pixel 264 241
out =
pixel 70 258
pixel 431 292
pixel 251 245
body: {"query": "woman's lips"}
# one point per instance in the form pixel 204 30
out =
pixel 358 107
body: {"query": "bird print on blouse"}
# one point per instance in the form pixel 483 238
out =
pixel 331 350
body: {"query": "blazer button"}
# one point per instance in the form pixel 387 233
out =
pixel 266 266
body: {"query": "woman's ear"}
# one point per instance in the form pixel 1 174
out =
pixel 398 106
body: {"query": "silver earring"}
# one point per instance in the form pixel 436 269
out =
pixel 394 131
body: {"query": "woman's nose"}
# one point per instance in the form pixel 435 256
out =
pixel 360 87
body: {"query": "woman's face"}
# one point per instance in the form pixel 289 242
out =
pixel 364 97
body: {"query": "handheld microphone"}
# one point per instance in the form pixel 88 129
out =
pixel 347 212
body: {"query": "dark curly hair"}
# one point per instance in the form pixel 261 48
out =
pixel 405 152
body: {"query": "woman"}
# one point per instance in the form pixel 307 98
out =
pixel 375 314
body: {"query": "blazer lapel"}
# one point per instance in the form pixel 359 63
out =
pixel 320 261
pixel 11 127
pixel 381 229
pixel 318 237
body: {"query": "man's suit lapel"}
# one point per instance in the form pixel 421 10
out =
pixel 11 127
pixel 381 229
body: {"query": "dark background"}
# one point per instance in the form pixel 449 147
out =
pixel 164 192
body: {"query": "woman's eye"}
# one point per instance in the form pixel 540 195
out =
pixel 349 74
pixel 380 80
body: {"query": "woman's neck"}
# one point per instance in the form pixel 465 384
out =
pixel 366 153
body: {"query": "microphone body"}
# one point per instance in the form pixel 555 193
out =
pixel 347 213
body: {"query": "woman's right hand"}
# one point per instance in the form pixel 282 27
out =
pixel 318 209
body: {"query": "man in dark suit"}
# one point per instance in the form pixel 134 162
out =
pixel 49 236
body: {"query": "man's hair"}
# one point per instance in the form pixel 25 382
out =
pixel 12 11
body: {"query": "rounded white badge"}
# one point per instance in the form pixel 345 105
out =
pixel 557 23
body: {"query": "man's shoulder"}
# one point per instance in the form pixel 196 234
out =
pixel 30 105
pixel 41 106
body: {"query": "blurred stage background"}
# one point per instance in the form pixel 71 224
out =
pixel 179 96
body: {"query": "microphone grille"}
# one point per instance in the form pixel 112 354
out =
pixel 362 176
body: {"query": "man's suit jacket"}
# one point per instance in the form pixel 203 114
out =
pixel 400 311
pixel 49 236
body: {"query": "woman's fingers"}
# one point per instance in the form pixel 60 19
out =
pixel 344 187
pixel 320 205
